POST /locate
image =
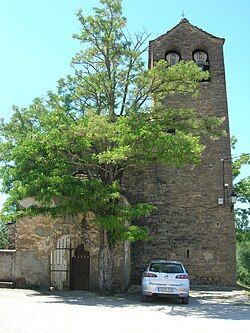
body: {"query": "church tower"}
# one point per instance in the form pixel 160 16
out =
pixel 194 221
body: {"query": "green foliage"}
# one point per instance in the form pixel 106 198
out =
pixel 242 224
pixel 243 159
pixel 135 233
pixel 242 188
pixel 243 262
pixel 3 235
pixel 243 245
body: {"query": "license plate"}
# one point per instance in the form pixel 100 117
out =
pixel 165 290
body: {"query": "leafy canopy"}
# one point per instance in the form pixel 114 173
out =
pixel 70 152
pixel 242 188
pixel 3 235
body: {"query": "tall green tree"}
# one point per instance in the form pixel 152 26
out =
pixel 242 188
pixel 71 151
pixel 242 218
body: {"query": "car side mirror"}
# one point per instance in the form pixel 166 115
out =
pixel 142 269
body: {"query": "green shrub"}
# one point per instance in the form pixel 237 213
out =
pixel 3 235
pixel 243 262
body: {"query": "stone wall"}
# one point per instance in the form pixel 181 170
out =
pixel 7 265
pixel 189 225
pixel 36 238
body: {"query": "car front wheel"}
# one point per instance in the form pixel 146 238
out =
pixel 185 300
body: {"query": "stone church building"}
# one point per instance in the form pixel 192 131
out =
pixel 194 221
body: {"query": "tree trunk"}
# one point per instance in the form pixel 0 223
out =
pixel 106 263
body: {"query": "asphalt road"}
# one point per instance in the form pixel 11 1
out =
pixel 26 311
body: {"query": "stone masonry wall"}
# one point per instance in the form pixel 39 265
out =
pixel 37 237
pixel 7 264
pixel 189 225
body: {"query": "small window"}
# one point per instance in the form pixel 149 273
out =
pixel 172 58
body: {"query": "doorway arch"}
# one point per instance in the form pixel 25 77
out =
pixel 80 269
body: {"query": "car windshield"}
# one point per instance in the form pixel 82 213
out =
pixel 166 268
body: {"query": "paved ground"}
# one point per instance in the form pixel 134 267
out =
pixel 26 311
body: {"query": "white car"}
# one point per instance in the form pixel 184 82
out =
pixel 165 278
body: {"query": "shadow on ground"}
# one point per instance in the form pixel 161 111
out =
pixel 216 305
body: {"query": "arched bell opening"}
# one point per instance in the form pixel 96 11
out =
pixel 172 57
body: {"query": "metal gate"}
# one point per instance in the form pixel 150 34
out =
pixel 69 265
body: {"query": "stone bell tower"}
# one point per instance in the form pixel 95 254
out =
pixel 194 220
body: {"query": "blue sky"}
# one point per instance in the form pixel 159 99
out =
pixel 36 46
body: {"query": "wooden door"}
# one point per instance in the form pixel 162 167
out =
pixel 80 269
